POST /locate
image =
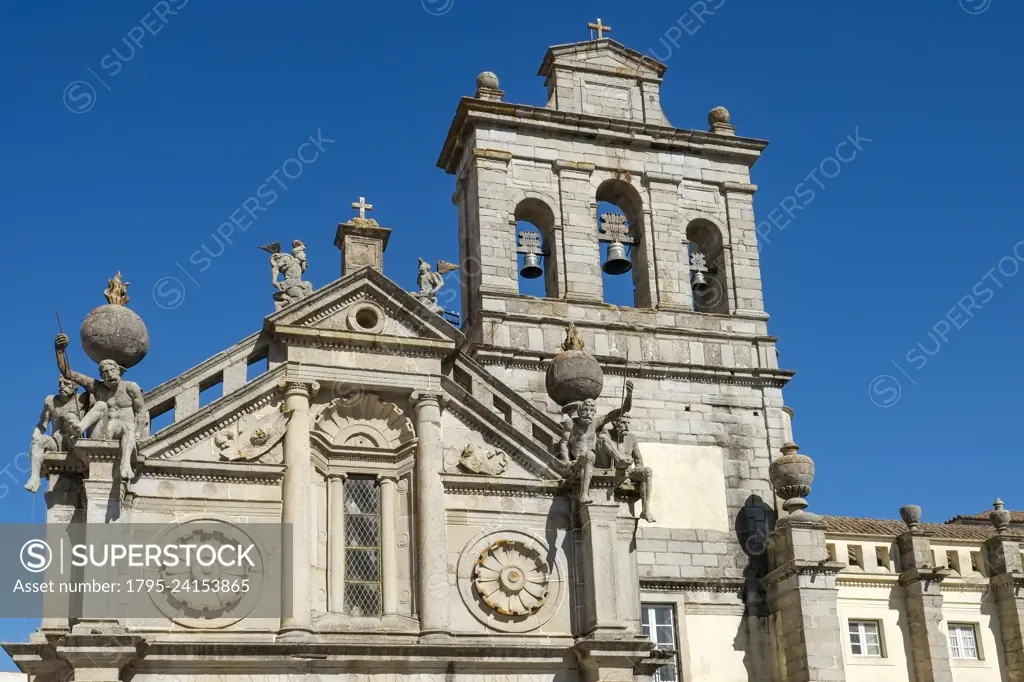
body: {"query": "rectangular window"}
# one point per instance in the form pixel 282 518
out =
pixel 362 547
pixel 866 638
pixel 659 624
pixel 963 641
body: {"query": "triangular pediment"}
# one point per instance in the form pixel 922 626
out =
pixel 365 303
pixel 603 55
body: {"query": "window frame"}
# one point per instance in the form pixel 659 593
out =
pixel 956 642
pixel 864 644
pixel 350 549
pixel 647 614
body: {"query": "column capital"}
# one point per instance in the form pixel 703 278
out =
pixel 292 387
pixel 336 476
pixel 423 398
pixel 387 478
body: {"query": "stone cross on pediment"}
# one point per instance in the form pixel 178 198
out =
pixel 600 28
pixel 614 228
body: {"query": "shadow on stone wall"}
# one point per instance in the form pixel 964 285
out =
pixel 754 524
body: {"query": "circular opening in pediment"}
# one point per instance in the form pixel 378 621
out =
pixel 366 317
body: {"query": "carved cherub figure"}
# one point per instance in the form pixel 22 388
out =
pixel 119 411
pixel 431 282
pixel 580 442
pixel 61 413
pixel 290 266
pixel 619 446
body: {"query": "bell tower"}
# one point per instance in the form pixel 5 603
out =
pixel 685 235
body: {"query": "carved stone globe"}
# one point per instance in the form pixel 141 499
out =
pixel 574 374
pixel 487 80
pixel 113 332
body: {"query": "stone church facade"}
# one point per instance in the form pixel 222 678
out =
pixel 445 524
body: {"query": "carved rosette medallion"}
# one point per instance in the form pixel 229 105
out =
pixel 512 578
pixel 511 581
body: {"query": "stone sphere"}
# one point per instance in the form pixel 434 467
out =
pixel 574 375
pixel 718 115
pixel 487 80
pixel 792 474
pixel 113 332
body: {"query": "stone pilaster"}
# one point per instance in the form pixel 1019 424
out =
pixel 63 499
pixel 296 510
pixel 492 261
pixel 802 602
pixel 742 258
pixel 432 540
pixel 388 545
pixel 336 542
pixel 920 580
pixel 580 249
pixel 103 493
pixel 601 567
pixel 99 658
pixel 671 252
pixel 1007 583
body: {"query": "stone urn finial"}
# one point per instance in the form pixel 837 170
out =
pixel 791 476
pixel 911 515
pixel 574 375
pixel 999 517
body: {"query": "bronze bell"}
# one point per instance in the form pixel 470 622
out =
pixel 700 282
pixel 531 267
pixel 617 262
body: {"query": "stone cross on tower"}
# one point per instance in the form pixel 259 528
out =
pixel 362 207
pixel 600 28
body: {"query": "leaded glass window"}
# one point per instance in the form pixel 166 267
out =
pixel 362 547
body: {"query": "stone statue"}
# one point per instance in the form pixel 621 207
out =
pixel 618 446
pixel 291 267
pixel 431 282
pixel 579 447
pixel 118 412
pixel 62 413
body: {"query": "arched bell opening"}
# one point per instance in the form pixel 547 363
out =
pixel 537 257
pixel 706 259
pixel 620 228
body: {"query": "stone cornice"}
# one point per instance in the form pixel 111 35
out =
pixel 639 59
pixel 338 339
pixel 739 376
pixel 798 567
pixel 924 575
pixel 553 123
pixel 724 585
pixel 215 472
pixel 467 484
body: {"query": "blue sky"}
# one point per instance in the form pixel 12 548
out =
pixel 131 160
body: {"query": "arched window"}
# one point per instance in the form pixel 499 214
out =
pixel 536 252
pixel 707 268
pixel 620 225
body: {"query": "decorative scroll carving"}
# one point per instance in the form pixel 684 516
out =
pixel 247 440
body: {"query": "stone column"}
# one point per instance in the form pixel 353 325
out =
pixel 435 616
pixel 296 510
pixel 920 580
pixel 336 542
pixel 1006 578
pixel 388 544
pixel 802 602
